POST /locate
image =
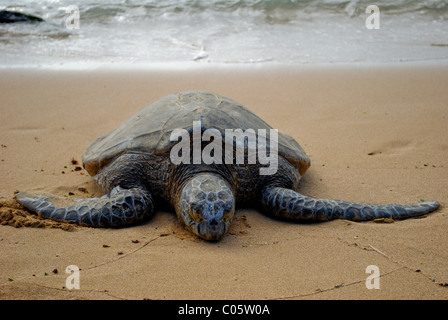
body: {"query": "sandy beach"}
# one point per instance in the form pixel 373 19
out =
pixel 374 133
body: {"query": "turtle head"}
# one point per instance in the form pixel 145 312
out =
pixel 206 206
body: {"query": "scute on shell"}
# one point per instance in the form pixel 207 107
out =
pixel 150 129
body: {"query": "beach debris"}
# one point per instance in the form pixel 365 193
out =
pixel 164 234
pixel 74 161
pixel 78 168
pixel 83 190
pixel 3 145
pixel 135 241
pixel 106 246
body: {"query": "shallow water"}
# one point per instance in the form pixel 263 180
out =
pixel 230 32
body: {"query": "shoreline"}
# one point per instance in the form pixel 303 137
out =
pixel 199 65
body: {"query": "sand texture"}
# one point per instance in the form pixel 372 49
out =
pixel 376 134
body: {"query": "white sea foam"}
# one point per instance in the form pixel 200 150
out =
pixel 231 32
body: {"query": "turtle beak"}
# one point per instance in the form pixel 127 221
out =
pixel 211 221
pixel 213 230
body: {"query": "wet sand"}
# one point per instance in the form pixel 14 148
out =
pixel 374 134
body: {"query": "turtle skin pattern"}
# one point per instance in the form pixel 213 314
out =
pixel 121 207
pixel 288 204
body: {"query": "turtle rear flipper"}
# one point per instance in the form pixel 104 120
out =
pixel 119 208
pixel 286 203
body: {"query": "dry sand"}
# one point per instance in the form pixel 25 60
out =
pixel 374 134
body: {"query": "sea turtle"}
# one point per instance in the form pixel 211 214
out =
pixel 133 165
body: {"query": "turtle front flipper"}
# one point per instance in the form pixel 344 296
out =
pixel 286 203
pixel 119 208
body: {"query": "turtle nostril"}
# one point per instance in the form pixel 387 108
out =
pixel 213 222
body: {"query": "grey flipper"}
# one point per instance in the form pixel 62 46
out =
pixel 119 208
pixel 286 203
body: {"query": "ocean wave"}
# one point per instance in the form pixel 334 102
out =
pixel 274 10
pixel 226 31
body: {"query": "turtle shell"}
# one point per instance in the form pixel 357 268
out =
pixel 150 129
